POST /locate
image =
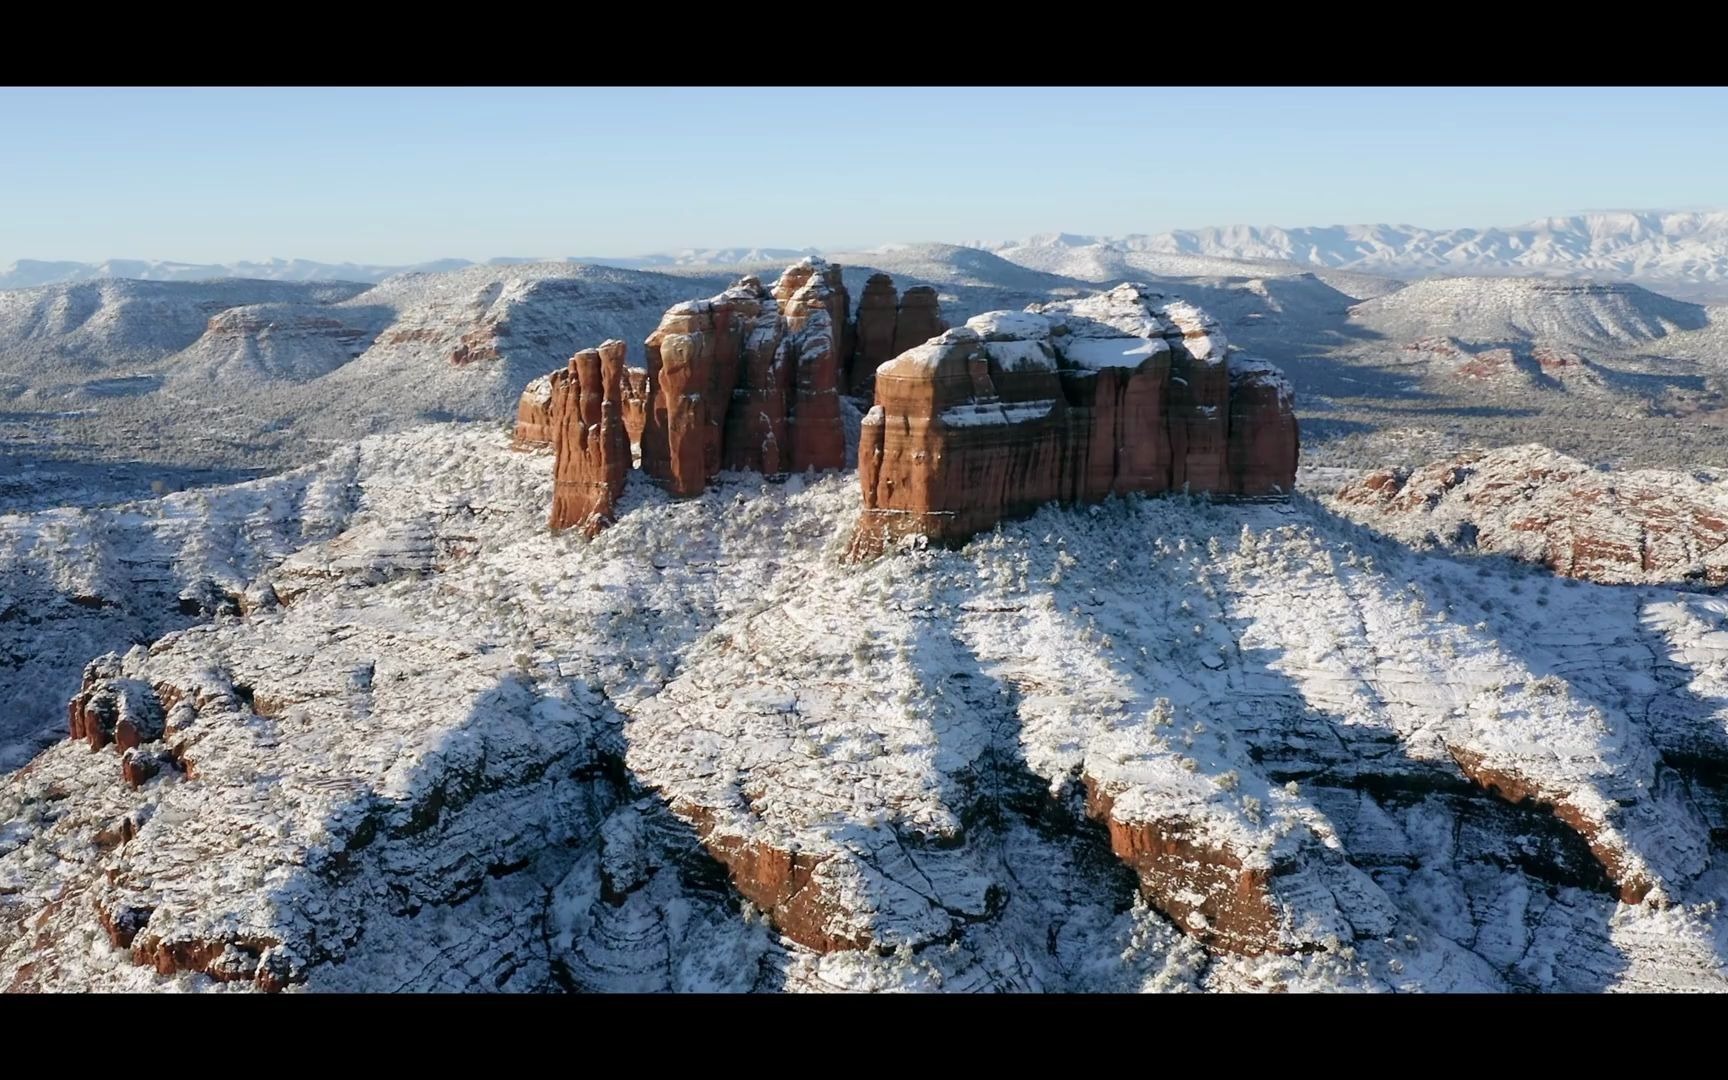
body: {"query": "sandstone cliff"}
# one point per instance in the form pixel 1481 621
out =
pixel 591 450
pixel 887 326
pixel 1069 402
pixel 749 379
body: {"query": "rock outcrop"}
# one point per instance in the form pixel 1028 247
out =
pixel 693 367
pixel 591 449
pixel 1067 402
pixel 877 307
pixel 1644 526
pixel 534 414
pixel 813 302
pixel 748 380
pixel 919 318
pixel 887 326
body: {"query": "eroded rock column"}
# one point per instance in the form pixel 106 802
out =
pixel 592 451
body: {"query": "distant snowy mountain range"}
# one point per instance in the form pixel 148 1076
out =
pixel 1650 246
pixel 27 273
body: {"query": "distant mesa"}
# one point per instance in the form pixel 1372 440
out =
pixel 1128 391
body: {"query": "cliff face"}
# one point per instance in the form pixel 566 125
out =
pixel 591 449
pixel 749 379
pixel 1067 402
pixel 814 304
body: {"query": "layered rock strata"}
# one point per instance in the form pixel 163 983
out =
pixel 1067 402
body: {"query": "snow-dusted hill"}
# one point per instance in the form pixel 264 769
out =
pixel 1598 316
pixel 1646 245
pixel 702 258
pixel 55 337
pixel 462 344
pixel 1649 526
pixel 26 273
pixel 446 749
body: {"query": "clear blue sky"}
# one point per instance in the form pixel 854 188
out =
pixel 405 175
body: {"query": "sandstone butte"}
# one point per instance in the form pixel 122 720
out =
pixel 749 379
pixel 1067 402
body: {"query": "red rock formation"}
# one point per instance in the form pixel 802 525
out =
pixel 758 436
pixel 780 883
pixel 749 379
pixel 681 373
pixel 1488 364
pixel 1264 436
pixel 139 766
pixel 1528 501
pixel 813 303
pixel 108 709
pixel 1631 882
pixel 875 334
pixel 591 450
pixel 635 405
pixel 1199 402
pixel 226 959
pixel 534 415
pixel 1205 889
pixel 1070 402
pixel 918 320
pixel 480 343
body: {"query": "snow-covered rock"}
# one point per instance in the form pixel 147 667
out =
pixel 1150 744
